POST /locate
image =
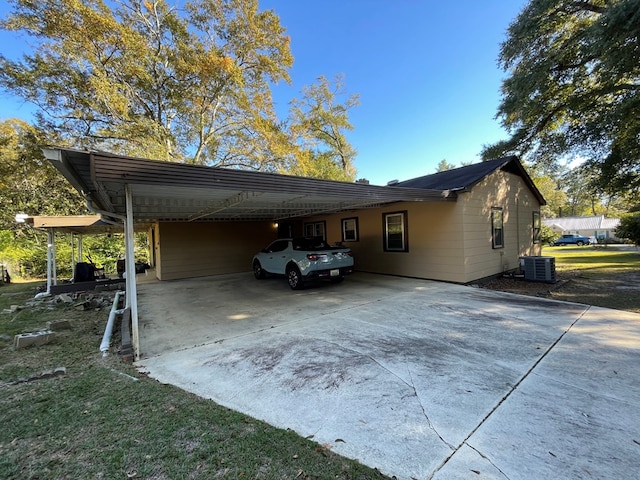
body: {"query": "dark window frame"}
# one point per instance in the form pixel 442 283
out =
pixel 536 224
pixel 497 227
pixel 314 224
pixel 356 230
pixel 404 247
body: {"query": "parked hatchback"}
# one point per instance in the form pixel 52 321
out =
pixel 302 260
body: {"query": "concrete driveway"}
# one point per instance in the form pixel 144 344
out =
pixel 418 379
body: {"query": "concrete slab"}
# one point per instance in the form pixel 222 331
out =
pixel 419 379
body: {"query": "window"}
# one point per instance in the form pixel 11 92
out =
pixel 395 232
pixel 497 230
pixel 536 227
pixel 350 229
pixel 315 229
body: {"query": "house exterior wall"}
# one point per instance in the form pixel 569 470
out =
pixel 434 239
pixel 510 193
pixel 447 241
pixel 185 250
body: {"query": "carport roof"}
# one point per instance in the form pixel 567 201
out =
pixel 166 191
pixel 78 224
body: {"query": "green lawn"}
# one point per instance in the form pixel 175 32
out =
pixel 603 276
pixel 104 420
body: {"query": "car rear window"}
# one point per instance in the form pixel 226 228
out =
pixel 312 243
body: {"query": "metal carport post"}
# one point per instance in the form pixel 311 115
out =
pixel 132 292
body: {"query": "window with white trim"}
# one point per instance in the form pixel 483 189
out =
pixel 395 232
pixel 350 229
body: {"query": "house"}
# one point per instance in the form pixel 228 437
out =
pixel 459 225
pixel 603 229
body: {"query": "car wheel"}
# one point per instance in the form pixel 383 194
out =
pixel 258 271
pixel 562 244
pixel 336 279
pixel 580 244
pixel 294 277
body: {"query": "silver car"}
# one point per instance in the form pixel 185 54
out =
pixel 302 260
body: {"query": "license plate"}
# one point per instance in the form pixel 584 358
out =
pixel 334 273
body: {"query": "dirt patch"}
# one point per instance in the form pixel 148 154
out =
pixel 620 291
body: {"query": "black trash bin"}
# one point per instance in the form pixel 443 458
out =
pixel 85 272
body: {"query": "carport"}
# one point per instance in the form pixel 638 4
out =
pixel 134 191
pixel 419 379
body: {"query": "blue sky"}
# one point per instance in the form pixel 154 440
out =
pixel 425 70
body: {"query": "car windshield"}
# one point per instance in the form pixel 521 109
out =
pixel 310 243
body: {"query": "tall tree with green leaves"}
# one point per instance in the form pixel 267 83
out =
pixel 28 183
pixel 573 88
pixel 148 79
pixel 317 125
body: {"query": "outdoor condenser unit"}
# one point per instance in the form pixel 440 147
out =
pixel 540 269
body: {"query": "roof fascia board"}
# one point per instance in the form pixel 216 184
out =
pixel 57 158
pixel 153 172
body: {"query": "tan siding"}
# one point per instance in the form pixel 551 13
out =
pixel 434 235
pixel 448 241
pixel 509 192
pixel 206 248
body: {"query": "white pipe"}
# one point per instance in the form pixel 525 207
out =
pixel 106 338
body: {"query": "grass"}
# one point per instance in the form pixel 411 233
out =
pixel 104 420
pixel 602 276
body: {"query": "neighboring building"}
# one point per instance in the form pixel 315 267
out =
pixel 603 229
pixel 459 225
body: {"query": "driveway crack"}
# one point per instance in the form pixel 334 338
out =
pixel 408 384
pixel 426 416
pixel 509 393
pixel 487 459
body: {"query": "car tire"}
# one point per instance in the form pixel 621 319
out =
pixel 561 244
pixel 294 278
pixel 579 244
pixel 336 279
pixel 258 271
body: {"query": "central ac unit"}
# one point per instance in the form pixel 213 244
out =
pixel 540 269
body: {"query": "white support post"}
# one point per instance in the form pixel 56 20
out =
pixel 73 253
pixel 130 268
pixel 53 256
pixel 49 259
pixel 80 248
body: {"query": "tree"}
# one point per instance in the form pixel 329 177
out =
pixel 143 78
pixel 28 183
pixel 444 166
pixel 630 227
pixel 573 88
pixel 317 124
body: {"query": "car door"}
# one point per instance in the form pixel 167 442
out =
pixel 274 258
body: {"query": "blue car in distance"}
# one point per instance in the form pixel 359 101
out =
pixel 572 239
pixel 301 260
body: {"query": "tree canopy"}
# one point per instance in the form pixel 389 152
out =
pixel 317 125
pixel 190 84
pixel 573 88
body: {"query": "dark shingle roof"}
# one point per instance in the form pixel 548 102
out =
pixel 464 178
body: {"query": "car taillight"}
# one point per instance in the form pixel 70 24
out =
pixel 315 256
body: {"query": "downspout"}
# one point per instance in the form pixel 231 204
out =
pixel 130 267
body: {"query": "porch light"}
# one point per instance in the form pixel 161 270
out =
pixel 21 217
